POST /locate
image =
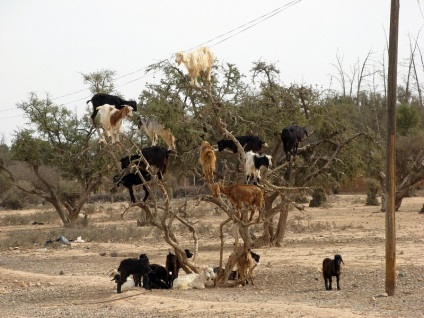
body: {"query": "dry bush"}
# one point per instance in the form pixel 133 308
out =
pixel 43 216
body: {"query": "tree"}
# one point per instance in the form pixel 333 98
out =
pixel 409 167
pixel 57 139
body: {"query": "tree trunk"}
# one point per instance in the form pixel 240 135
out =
pixel 281 227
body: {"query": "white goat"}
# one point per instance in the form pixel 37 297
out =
pixel 111 119
pixel 199 60
pixel 253 164
pixel 194 280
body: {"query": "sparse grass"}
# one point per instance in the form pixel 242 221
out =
pixel 43 216
pixel 102 234
pixel 300 224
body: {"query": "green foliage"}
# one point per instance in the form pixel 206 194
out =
pixel 408 119
pixel 100 81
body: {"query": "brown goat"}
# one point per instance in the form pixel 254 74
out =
pixel 208 160
pixel 242 193
pixel 246 265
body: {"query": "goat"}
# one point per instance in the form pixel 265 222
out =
pixel 249 143
pixel 234 274
pixel 111 119
pixel 291 137
pixel 158 277
pixel 131 179
pixel 173 264
pixel 154 129
pixel 194 280
pixel 208 161
pixel 155 156
pixel 253 164
pixel 330 268
pixel 197 61
pixel 242 193
pixel 245 266
pixel 132 266
pixel 102 99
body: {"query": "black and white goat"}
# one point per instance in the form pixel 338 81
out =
pixel 253 164
pixel 330 268
pixel 102 99
pixel 133 266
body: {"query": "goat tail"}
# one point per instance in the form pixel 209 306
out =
pixel 88 101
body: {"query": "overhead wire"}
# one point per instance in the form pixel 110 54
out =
pixel 243 28
pixel 226 36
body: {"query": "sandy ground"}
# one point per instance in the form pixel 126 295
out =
pixel 74 282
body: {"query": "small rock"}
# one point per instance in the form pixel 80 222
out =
pixel 373 298
pixel 113 254
pixel 401 274
pixel 61 273
pixel 382 295
pixel 102 254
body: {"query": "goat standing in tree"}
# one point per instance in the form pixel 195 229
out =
pixel 197 61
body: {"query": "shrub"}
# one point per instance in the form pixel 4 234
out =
pixel 372 193
pixel 318 197
pixel 12 201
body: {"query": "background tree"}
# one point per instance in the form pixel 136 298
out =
pixel 57 140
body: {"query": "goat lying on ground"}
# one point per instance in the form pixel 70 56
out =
pixel 111 119
pixel 242 193
pixel 154 129
pixel 158 277
pixel 330 268
pixel 131 266
pixel 194 280
pixel 102 99
pixel 197 61
pixel 208 161
pixel 291 137
pixel 249 143
pixel 155 156
pixel 254 162
pixel 173 265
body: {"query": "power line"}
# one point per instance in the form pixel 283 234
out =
pixel 242 29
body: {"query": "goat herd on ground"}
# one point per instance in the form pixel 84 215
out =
pixel 114 109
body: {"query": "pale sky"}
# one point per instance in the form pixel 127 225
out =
pixel 45 45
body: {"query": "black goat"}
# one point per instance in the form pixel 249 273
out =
pixel 249 142
pixel 158 277
pixel 129 180
pixel 155 156
pixel 132 266
pixel 330 268
pixel 102 99
pixel 173 265
pixel 291 137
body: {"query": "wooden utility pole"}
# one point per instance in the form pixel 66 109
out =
pixel 391 151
